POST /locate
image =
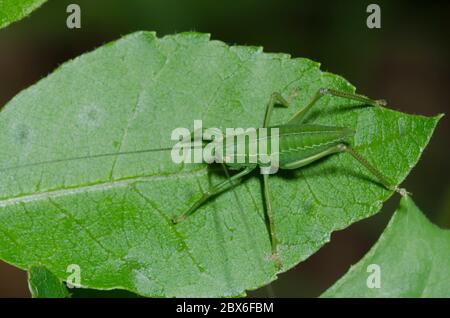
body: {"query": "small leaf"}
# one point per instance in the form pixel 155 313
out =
pixel 111 215
pixel 413 259
pixel 14 10
pixel 44 284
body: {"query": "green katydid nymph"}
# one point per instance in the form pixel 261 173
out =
pixel 299 145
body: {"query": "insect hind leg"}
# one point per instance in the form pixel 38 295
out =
pixel 383 180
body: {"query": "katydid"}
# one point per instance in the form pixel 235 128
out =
pixel 299 145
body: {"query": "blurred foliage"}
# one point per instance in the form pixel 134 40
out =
pixel 401 264
pixel 11 11
pixel 44 284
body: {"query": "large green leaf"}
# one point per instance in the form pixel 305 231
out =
pixel 14 10
pixel 112 215
pixel 412 256
pixel 44 284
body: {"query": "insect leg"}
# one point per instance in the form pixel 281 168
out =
pixel 345 148
pixel 306 161
pixel 275 98
pixel 227 184
pixel 273 238
pixel 388 185
pixel 299 115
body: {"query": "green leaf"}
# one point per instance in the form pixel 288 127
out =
pixel 44 284
pixel 413 259
pixel 14 10
pixel 112 215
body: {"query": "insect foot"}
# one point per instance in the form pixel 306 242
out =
pixel 179 219
pixel 323 91
pixel 402 192
pixel 276 258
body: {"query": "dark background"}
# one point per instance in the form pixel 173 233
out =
pixel 405 62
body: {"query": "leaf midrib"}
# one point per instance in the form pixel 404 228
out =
pixel 123 182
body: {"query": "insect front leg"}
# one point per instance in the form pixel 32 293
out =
pixel 300 114
pixel 227 184
pixel 275 99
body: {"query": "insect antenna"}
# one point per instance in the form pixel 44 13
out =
pixel 95 156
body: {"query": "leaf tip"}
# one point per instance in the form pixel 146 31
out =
pixel 440 116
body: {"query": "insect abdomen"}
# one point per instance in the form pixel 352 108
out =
pixel 300 142
pixel 295 142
